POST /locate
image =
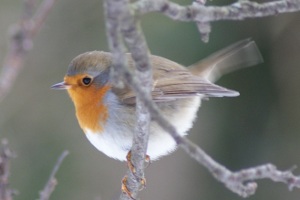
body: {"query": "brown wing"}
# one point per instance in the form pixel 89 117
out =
pixel 172 81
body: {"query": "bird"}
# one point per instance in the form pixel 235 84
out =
pixel 106 113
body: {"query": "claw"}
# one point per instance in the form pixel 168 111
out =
pixel 129 163
pixel 143 184
pixel 133 170
pixel 131 166
pixel 125 189
pixel 148 161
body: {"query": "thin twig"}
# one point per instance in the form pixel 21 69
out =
pixel 203 15
pixel 196 12
pixel 5 156
pixel 41 15
pixel 21 42
pixel 52 182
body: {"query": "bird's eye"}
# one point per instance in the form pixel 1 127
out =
pixel 86 81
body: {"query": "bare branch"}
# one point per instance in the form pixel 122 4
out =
pixel 21 42
pixel 203 15
pixel 5 156
pixel 115 41
pixel 40 16
pixel 200 13
pixel 243 179
pixel 122 26
pixel 132 35
pixel 51 183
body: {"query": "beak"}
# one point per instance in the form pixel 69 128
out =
pixel 60 86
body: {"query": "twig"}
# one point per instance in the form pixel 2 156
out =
pixel 196 12
pixel 21 42
pixel 122 26
pixel 51 183
pixel 203 15
pixel 5 156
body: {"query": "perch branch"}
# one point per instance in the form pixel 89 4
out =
pixel 52 182
pixel 122 28
pixel 21 42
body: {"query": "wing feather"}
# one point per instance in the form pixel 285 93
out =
pixel 175 82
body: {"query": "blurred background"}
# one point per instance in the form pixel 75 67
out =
pixel 260 126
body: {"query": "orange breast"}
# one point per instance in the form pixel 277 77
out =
pixel 90 110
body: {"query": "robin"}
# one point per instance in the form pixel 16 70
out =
pixel 106 114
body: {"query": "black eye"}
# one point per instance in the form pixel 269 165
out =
pixel 86 80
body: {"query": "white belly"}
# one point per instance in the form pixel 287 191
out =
pixel 116 140
pixel 118 149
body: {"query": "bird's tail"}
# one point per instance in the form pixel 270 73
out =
pixel 240 54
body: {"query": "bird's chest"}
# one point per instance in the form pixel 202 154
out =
pixel 91 112
pixel 92 116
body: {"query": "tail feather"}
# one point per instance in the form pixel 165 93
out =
pixel 240 54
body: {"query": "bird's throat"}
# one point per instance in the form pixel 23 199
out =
pixel 91 112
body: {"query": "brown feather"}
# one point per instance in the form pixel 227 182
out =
pixel 172 81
